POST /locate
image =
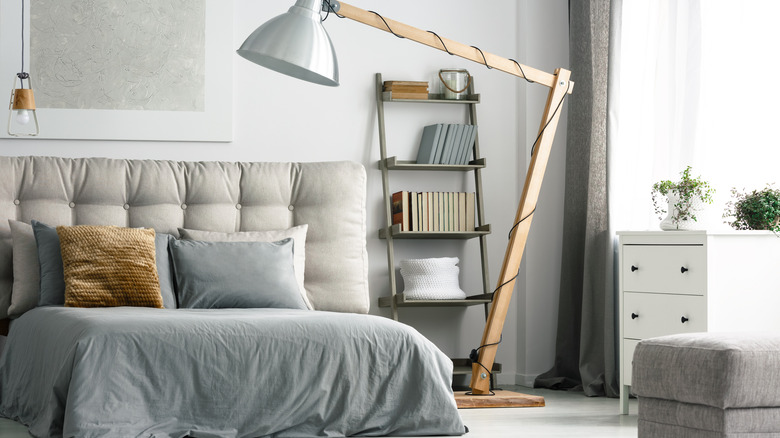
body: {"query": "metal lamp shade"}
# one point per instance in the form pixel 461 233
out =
pixel 295 44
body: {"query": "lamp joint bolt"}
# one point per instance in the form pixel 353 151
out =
pixel 331 6
pixel 483 376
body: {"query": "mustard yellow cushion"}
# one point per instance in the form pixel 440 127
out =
pixel 107 266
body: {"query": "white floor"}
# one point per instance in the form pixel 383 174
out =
pixel 566 414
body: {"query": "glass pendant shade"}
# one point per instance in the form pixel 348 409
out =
pixel 295 44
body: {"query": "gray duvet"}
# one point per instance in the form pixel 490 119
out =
pixel 126 372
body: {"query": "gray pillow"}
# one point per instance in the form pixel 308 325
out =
pixel 214 275
pixel 50 260
pixel 26 287
pixel 298 233
pixel 164 269
pixel 52 275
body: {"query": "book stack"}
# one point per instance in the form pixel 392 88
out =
pixel 434 211
pixel 407 89
pixel 446 143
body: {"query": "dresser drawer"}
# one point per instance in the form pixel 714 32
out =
pixel 678 269
pixel 647 315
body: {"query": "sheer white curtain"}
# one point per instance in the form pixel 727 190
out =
pixel 693 84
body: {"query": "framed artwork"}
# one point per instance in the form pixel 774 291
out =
pixel 124 70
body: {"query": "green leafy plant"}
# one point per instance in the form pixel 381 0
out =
pixel 690 192
pixel 757 210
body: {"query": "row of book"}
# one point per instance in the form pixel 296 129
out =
pixel 406 89
pixel 447 143
pixel 434 211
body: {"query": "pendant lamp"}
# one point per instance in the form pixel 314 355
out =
pixel 22 106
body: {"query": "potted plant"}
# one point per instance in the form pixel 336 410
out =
pixel 757 210
pixel 683 200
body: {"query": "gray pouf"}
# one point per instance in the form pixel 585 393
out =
pixel 708 385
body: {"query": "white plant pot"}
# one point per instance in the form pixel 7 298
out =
pixel 696 206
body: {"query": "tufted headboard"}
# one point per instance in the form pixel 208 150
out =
pixel 217 196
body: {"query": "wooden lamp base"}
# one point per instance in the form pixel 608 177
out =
pixel 501 399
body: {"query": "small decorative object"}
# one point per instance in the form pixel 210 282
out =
pixel 685 198
pixel 757 210
pixel 22 106
pixel 432 279
pixel 456 82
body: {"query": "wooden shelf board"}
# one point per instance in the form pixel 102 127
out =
pixel 393 163
pixel 387 96
pixel 396 232
pixel 402 301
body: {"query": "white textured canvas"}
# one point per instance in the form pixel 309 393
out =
pixel 115 54
pixel 119 70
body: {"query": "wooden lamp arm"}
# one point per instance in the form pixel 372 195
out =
pixel 459 49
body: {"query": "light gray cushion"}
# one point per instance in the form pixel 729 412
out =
pixel 214 275
pixel 221 196
pixel 51 290
pixel 690 420
pixel 26 271
pixel 297 233
pixel 722 370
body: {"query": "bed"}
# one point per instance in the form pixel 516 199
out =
pixel 323 368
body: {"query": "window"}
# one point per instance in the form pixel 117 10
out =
pixel 693 84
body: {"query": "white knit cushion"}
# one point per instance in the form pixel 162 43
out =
pixel 432 279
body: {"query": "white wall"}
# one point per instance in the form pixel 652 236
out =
pixel 545 45
pixel 277 118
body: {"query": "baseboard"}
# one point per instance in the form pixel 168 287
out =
pixel 526 380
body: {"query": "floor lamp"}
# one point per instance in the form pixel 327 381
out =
pixel 296 44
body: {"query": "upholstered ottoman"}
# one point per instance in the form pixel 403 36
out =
pixel 708 385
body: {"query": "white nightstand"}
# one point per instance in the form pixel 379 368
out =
pixel 694 281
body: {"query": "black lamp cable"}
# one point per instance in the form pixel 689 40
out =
pixel 22 75
pixel 387 25
pixel 521 71
pixel 558 107
pixel 483 57
pixel 441 41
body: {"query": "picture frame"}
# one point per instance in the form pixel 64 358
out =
pixel 209 121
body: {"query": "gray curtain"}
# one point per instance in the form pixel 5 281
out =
pixel 586 356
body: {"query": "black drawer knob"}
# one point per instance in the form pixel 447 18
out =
pixel 634 268
pixel 683 320
pixel 634 315
pixel 683 270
